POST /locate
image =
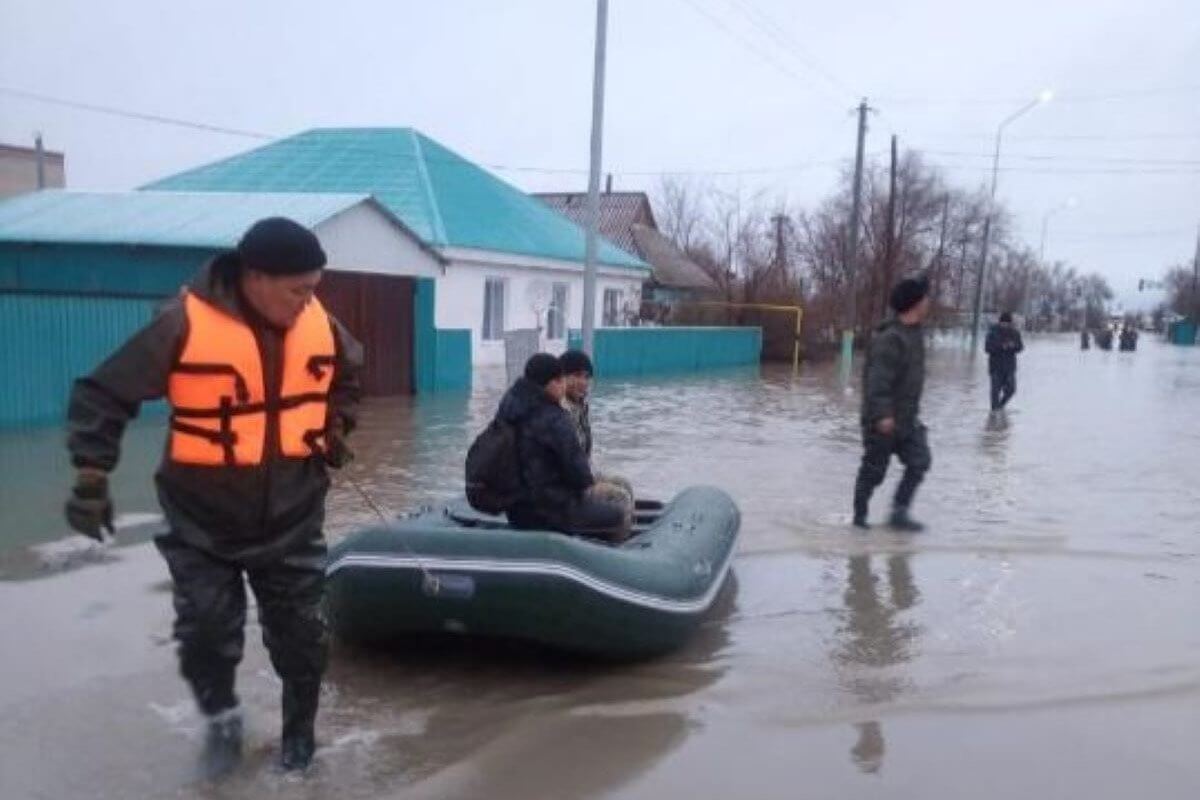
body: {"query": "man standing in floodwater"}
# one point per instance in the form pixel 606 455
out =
pixel 1002 344
pixel 263 388
pixel 893 379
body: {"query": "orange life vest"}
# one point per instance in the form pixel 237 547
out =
pixel 219 408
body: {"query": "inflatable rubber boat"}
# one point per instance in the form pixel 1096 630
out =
pixel 453 570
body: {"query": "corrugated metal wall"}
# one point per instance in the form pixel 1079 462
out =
pixel 94 269
pixel 657 351
pixel 47 341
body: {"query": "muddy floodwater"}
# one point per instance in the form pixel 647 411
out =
pixel 1040 640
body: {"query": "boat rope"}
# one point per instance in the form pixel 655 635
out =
pixel 430 583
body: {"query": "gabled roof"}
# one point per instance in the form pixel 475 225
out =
pixel 672 267
pixel 628 219
pixel 174 219
pixel 445 199
pixel 619 212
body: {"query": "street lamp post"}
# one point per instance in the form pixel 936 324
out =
pixel 1045 97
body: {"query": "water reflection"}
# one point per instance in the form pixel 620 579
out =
pixel 875 637
pixel 504 720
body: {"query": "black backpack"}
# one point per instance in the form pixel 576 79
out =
pixel 493 472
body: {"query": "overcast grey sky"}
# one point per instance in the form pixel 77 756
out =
pixel 693 85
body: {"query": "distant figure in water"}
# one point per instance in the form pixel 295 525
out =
pixel 1085 341
pixel 1104 338
pixel 892 383
pixel 1002 345
pixel 1129 337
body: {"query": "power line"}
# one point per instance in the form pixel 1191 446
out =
pixel 517 168
pixel 118 112
pixel 1061 157
pixel 1070 170
pixel 1070 137
pixel 753 48
pixel 790 44
pixel 1063 97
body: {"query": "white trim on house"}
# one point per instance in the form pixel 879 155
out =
pixel 484 257
pixel 461 290
pixel 363 238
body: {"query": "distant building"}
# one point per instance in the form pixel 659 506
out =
pixel 19 173
pixel 627 220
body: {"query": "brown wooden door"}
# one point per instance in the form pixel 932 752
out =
pixel 378 310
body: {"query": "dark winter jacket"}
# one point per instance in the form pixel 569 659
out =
pixel 554 468
pixel 243 512
pixel 894 376
pixel 1002 344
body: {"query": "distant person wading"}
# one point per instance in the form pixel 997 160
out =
pixel 1003 343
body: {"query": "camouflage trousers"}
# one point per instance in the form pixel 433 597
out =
pixel 617 491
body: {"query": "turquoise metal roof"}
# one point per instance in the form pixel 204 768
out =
pixel 444 198
pixel 177 219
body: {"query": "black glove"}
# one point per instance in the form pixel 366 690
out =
pixel 89 509
pixel 337 453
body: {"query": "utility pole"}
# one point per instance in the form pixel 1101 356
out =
pixel 1196 283
pixel 593 210
pixel 889 253
pixel 40 156
pixel 852 240
pixel 938 259
pixel 779 259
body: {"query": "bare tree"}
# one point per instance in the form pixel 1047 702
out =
pixel 681 210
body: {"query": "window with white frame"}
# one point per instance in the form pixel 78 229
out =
pixel 556 317
pixel 493 309
pixel 612 308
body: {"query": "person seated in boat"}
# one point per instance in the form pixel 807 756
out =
pixel 577 374
pixel 558 491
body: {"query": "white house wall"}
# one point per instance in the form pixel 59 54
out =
pixel 363 239
pixel 460 301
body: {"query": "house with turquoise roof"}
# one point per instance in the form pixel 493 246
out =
pixel 504 260
pixel 431 259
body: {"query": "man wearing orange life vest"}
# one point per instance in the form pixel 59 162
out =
pixel 263 388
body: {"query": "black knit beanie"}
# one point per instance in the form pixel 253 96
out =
pixel 279 246
pixel 541 368
pixel 576 361
pixel 908 293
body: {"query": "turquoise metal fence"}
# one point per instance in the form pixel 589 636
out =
pixel 46 341
pixel 1182 332
pixel 624 352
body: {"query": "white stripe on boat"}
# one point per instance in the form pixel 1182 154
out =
pixel 544 568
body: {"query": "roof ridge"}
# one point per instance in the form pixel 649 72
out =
pixel 439 227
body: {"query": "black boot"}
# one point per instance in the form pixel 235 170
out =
pixel 901 521
pixel 222 744
pixel 299 721
pixel 861 499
